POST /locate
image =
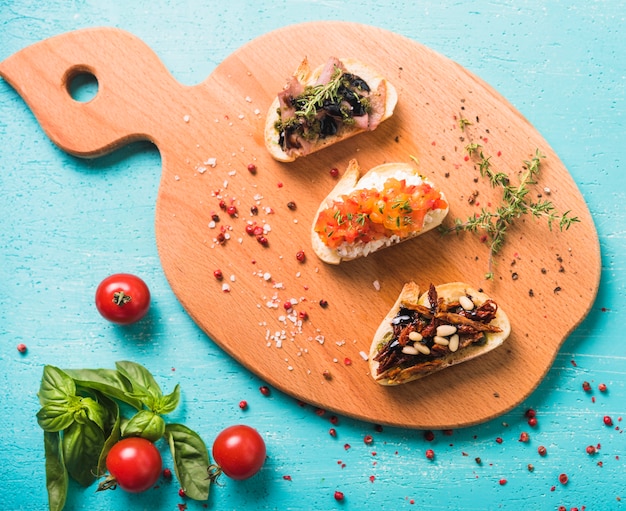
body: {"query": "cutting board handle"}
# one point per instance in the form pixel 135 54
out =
pixel 134 92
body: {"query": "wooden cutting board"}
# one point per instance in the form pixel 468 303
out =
pixel 208 135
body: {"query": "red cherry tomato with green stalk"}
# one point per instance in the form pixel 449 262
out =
pixel 123 298
pixel 134 464
pixel 239 452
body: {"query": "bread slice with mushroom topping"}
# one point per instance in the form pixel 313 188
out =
pixel 322 106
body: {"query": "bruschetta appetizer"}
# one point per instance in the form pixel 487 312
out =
pixel 323 106
pixel 447 325
pixel 389 204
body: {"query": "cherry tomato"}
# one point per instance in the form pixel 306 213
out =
pixel 239 451
pixel 123 298
pixel 135 463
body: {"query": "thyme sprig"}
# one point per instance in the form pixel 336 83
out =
pixel 314 96
pixel 515 203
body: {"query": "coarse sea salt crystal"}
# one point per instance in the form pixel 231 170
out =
pixel 267 276
pixel 186 118
pixel 376 285
pixel 225 287
pixel 211 161
pixel 248 99
pixel 364 355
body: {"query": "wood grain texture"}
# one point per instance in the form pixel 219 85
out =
pixel 68 222
pixel 207 134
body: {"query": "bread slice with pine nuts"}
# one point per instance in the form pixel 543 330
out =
pixel 422 334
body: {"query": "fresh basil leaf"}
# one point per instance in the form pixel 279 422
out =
pixel 95 412
pixel 191 460
pixel 56 474
pixel 53 417
pixel 82 445
pixel 56 386
pixel 108 381
pixel 115 433
pixel 168 403
pixel 145 424
pixel 140 378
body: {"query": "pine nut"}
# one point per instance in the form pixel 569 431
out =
pixel 409 350
pixel 454 343
pixel 415 336
pixel 422 348
pixel 446 330
pixel 466 302
pixel 442 341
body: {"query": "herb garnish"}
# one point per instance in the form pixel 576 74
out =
pixel 515 203
pixel 82 418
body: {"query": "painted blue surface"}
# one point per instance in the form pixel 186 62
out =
pixel 66 223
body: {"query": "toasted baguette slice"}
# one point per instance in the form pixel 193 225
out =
pixel 378 97
pixel 406 362
pixel 428 205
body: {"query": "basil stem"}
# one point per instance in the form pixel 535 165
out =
pixel 191 460
pixel 82 444
pixel 56 474
pixel 146 424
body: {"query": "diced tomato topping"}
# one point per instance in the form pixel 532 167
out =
pixel 368 214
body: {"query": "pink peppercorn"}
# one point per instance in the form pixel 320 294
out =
pixel 339 495
pixel 607 420
pixel 368 439
pixel 300 256
pixel 430 454
pixel 591 450
pixel 542 450
pixel 602 387
pixel 167 473
pixel 532 422
pixel 499 440
pixel 265 390
pixel 563 479
pixel 243 404
pixel 332 432
pixel 524 437
pixel 21 347
pixel 502 482
pixel 252 168
pixel 218 274
pixel 334 172
pixel 586 386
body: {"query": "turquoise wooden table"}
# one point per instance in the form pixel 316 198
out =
pixel 66 223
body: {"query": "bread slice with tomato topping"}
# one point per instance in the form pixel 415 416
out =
pixel 422 334
pixel 322 106
pixel 389 204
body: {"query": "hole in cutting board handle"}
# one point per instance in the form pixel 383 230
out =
pixel 81 84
